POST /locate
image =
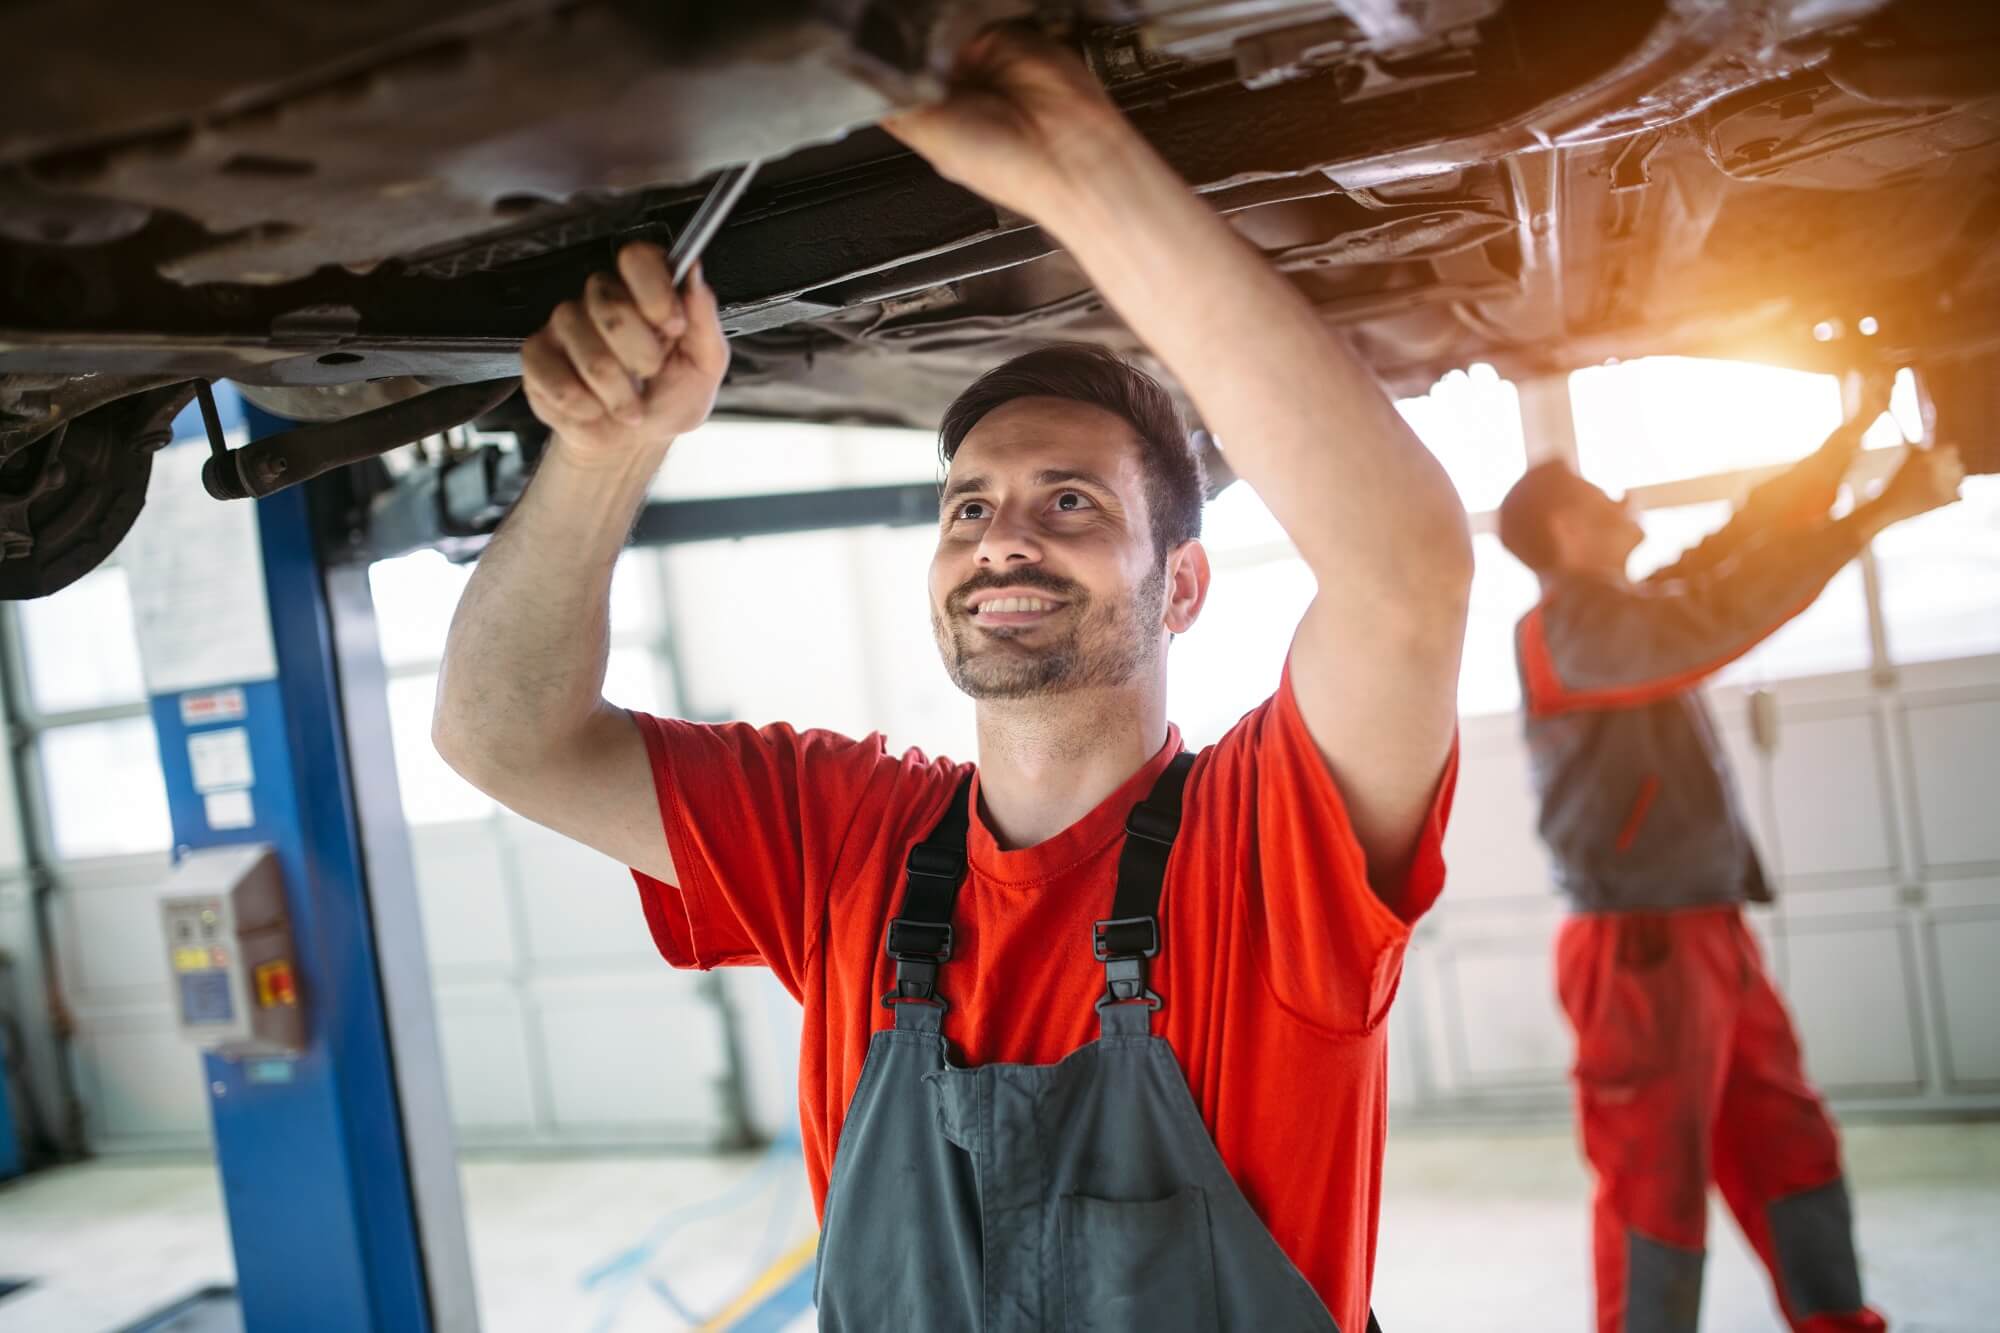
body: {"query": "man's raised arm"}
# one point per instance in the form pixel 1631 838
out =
pixel 1793 502
pixel 1603 645
pixel 617 375
pixel 1375 662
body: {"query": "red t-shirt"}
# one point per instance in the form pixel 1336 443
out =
pixel 1277 961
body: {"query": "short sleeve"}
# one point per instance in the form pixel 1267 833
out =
pixel 1330 946
pixel 754 818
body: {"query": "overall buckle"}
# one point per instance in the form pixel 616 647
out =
pixel 1123 944
pixel 1124 937
pixel 918 948
pixel 919 941
pixel 909 991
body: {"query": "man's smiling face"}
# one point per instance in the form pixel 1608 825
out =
pixel 1046 577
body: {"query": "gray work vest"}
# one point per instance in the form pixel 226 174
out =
pixel 1084 1195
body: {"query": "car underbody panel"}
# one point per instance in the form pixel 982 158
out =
pixel 341 207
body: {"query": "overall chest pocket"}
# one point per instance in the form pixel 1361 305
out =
pixel 1138 1267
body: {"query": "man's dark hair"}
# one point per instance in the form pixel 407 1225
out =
pixel 1525 527
pixel 1084 373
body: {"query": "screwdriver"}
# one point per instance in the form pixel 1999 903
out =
pixel 708 218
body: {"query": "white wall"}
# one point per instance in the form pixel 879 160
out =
pixel 1873 813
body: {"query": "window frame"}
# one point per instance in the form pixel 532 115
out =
pixel 26 725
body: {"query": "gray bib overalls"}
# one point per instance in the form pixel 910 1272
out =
pixel 1084 1195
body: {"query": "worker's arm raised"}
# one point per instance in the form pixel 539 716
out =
pixel 1595 644
pixel 616 375
pixel 1375 663
pixel 1795 500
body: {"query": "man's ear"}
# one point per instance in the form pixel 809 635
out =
pixel 1187 586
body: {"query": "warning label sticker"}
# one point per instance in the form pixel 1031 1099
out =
pixel 205 706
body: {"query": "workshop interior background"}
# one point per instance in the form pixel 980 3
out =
pixel 605 1105
pixel 1482 195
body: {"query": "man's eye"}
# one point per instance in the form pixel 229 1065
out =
pixel 972 509
pixel 1072 500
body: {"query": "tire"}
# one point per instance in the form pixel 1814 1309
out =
pixel 68 499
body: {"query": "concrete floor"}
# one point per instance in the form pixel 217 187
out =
pixel 1491 1232
pixel 1480 1231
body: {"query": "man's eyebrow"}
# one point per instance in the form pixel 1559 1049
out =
pixel 960 487
pixel 1056 476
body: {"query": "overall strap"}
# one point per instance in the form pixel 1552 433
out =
pixel 1131 934
pixel 920 939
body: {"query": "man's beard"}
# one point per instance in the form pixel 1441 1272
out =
pixel 1104 643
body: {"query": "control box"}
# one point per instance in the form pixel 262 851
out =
pixel 229 952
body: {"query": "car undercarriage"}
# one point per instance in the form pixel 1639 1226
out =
pixel 350 208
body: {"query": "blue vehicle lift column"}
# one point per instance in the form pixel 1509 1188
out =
pixel 338 1165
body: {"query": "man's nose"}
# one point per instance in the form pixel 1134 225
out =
pixel 1008 541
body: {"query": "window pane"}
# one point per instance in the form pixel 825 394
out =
pixel 1667 418
pixel 414 596
pixel 106 796
pixel 806 653
pixel 82 650
pixel 1669 532
pixel 1941 578
pixel 1503 590
pixel 755 457
pixel 1238 521
pixel 632 679
pixel 635 591
pixel 1471 419
pixel 432 793
pixel 1230 662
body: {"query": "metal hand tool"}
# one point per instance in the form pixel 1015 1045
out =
pixel 708 218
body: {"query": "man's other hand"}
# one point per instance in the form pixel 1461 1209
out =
pixel 629 364
pixel 1021 117
pixel 1802 494
pixel 1928 479
pixel 1878 385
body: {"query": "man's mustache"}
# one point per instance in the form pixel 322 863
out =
pixel 992 581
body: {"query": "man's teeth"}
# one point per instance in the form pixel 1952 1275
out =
pixel 1009 604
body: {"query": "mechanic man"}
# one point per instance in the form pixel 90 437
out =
pixel 1687 1067
pixel 1163 1103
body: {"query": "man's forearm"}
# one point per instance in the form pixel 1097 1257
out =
pixel 1794 501
pixel 524 661
pixel 1299 416
pixel 1599 645
pixel 1801 495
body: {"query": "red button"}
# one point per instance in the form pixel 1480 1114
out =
pixel 275 985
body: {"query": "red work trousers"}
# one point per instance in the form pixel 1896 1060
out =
pixel 1687 1072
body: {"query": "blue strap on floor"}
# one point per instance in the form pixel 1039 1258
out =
pixel 781 1166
